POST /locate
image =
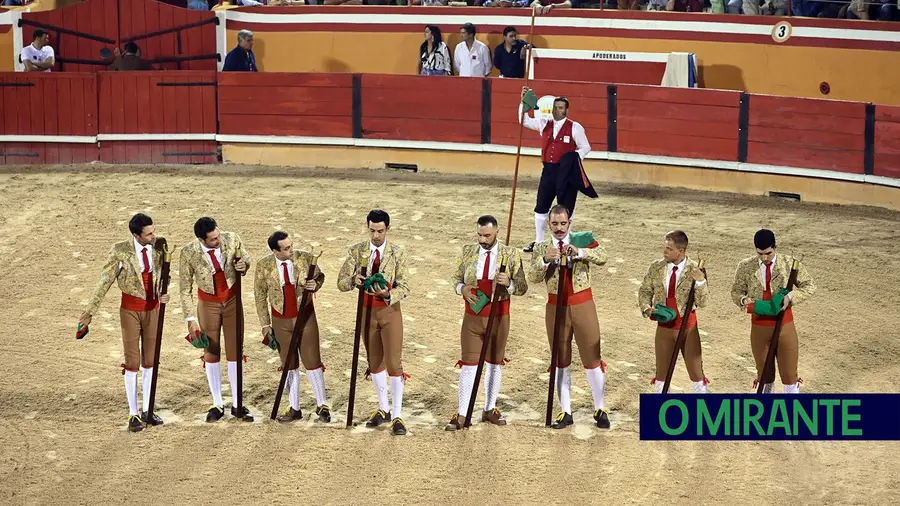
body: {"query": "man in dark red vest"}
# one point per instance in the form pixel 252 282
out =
pixel 563 147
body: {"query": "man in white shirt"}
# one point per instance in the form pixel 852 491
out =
pixel 471 58
pixel 668 282
pixel 560 136
pixel 38 56
pixel 477 276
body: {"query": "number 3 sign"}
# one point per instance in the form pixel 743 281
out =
pixel 781 32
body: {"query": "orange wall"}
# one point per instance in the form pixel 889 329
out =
pixel 6 48
pixel 854 74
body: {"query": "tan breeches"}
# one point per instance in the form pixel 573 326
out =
pixel 309 341
pixel 215 319
pixel 582 320
pixel 692 353
pixel 384 339
pixel 139 337
pixel 471 334
pixel 786 356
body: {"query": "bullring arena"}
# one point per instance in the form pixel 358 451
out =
pixel 311 170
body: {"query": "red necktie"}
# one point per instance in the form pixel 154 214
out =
pixel 146 260
pixel 377 263
pixel 768 277
pixel 287 276
pixel 486 274
pixel 149 289
pixel 672 282
pixel 215 261
pixel 560 247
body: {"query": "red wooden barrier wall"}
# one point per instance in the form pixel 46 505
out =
pixel 154 110
pixel 805 132
pixel 118 20
pixel 587 105
pixel 96 17
pixel 601 71
pixel 887 141
pixel 48 104
pixel 679 122
pixel 421 108
pixel 317 105
pixel 138 17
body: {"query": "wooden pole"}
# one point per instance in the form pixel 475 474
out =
pixel 161 244
pixel 682 331
pixel 558 326
pixel 769 367
pixel 362 313
pixel 512 200
pixel 296 335
pixel 239 394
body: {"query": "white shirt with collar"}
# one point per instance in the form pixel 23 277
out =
pixel 290 268
pixel 474 62
pixel 762 269
pixel 678 273
pixel 372 249
pixel 139 251
pixel 582 146
pixel 565 241
pixel 218 254
pixel 479 267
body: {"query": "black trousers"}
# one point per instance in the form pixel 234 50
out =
pixel 554 186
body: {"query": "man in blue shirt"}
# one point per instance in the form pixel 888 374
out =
pixel 241 58
pixel 509 57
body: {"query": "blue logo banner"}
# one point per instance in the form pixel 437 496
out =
pixel 770 417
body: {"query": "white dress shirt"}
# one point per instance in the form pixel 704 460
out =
pixel 762 270
pixel 372 250
pixel 479 266
pixel 678 273
pixel 139 251
pixel 218 256
pixel 582 146
pixel 290 266
pixel 474 62
pixel 565 242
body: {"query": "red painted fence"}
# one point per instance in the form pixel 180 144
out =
pixel 174 117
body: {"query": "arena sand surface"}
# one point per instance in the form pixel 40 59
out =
pixel 62 424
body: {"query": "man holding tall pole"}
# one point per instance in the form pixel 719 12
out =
pixel 563 147
pixel 580 311
pixel 135 265
pixel 212 264
pixel 760 288
pixel 385 287
pixel 278 285
pixel 477 275
pixel 662 297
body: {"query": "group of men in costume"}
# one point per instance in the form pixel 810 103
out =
pixel 216 259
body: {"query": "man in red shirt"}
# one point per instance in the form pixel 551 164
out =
pixel 560 137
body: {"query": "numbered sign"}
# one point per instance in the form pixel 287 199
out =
pixel 781 32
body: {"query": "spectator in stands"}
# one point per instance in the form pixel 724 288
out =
pixel 545 6
pixel 38 56
pixel 685 5
pixel 471 58
pixel 343 2
pixel 505 3
pixel 765 7
pixel 434 55
pixel 631 5
pixel 429 3
pixel 509 57
pixel 131 60
pixel 198 5
pixel 241 58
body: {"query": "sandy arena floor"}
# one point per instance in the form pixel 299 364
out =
pixel 63 409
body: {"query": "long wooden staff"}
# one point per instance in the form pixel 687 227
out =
pixel 296 335
pixel 512 200
pixel 559 323
pixel 486 340
pixel 485 344
pixel 160 244
pixel 769 367
pixel 239 395
pixel 362 314
pixel 682 331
